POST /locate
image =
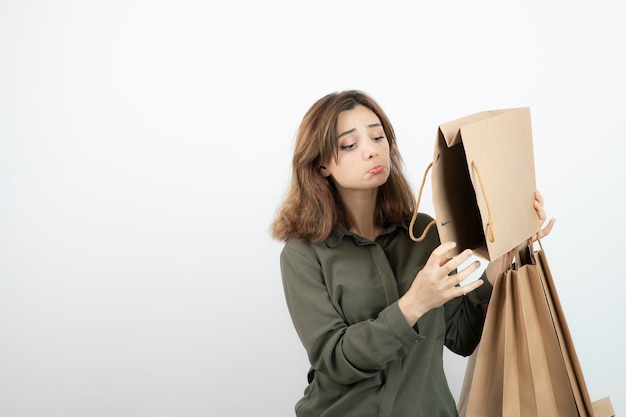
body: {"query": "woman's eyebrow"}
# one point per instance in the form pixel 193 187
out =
pixel 347 132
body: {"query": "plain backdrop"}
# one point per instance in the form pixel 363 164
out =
pixel 145 146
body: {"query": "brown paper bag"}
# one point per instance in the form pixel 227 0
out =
pixel 526 364
pixel 483 182
pixel 599 408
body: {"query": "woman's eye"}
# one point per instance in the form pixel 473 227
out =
pixel 377 138
pixel 347 147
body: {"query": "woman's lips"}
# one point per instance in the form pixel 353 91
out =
pixel 376 170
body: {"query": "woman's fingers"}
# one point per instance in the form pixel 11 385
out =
pixel 440 268
pixel 546 230
pixel 470 287
pixel 541 213
pixel 464 273
pixel 454 281
pixel 450 264
pixel 441 251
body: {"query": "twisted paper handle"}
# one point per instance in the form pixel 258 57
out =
pixel 482 189
pixel 490 234
pixel 419 197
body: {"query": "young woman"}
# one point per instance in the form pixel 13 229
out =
pixel 372 307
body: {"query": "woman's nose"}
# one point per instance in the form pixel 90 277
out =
pixel 371 152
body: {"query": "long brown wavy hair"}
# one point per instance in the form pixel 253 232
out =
pixel 312 208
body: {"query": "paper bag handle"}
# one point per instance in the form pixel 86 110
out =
pixel 482 189
pixel 490 234
pixel 419 197
pixel 515 253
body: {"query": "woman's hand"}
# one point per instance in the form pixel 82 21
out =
pixel 541 213
pixel 433 286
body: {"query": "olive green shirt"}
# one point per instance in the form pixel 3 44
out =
pixel 366 360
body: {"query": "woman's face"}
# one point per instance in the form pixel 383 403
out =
pixel 363 158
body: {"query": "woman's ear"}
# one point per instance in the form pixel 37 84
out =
pixel 324 171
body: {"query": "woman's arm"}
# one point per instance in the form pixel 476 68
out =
pixel 347 353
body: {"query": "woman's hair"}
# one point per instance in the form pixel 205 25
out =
pixel 312 208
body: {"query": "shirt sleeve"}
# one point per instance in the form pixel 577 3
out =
pixel 465 319
pixel 347 353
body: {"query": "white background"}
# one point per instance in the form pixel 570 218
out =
pixel 145 145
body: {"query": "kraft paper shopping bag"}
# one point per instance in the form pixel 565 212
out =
pixel 526 363
pixel 483 181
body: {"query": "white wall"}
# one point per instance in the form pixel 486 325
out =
pixel 144 146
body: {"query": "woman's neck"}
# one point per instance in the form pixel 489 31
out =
pixel 362 208
pixel 368 232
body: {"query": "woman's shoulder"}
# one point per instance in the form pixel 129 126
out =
pixel 304 252
pixel 295 243
pixel 300 245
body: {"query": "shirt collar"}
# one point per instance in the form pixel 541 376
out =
pixel 341 232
